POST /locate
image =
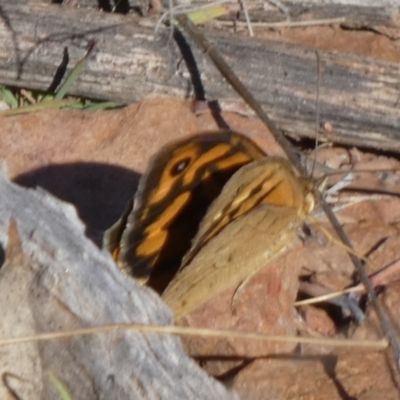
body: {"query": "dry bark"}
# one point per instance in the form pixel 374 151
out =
pixel 358 100
pixel 54 278
pixel 358 13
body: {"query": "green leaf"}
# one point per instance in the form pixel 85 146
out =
pixel 105 105
pixel 73 75
pixel 8 96
pixel 47 105
pixel 61 389
pixel 201 16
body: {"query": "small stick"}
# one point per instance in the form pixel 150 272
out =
pixel 288 24
pixel 241 89
pixel 189 331
pixel 247 18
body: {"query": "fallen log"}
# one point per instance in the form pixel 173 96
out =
pixel 358 95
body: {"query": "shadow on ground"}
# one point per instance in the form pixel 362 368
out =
pixel 99 192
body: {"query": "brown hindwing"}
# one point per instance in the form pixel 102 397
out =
pixel 256 216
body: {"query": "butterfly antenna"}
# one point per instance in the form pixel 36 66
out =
pixel 317 115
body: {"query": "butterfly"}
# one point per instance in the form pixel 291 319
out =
pixel 182 179
pixel 179 234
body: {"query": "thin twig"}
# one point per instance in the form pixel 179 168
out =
pixel 231 77
pixel 288 24
pixel 241 89
pixel 246 17
pixel 384 320
pixel 280 7
pixel 189 331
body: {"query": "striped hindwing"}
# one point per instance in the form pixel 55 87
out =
pixel 181 182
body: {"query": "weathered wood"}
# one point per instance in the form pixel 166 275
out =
pixel 358 96
pixel 358 13
pixel 59 280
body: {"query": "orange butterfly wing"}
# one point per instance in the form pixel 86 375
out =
pixel 173 195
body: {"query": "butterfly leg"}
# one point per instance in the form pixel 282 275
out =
pixel 236 294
